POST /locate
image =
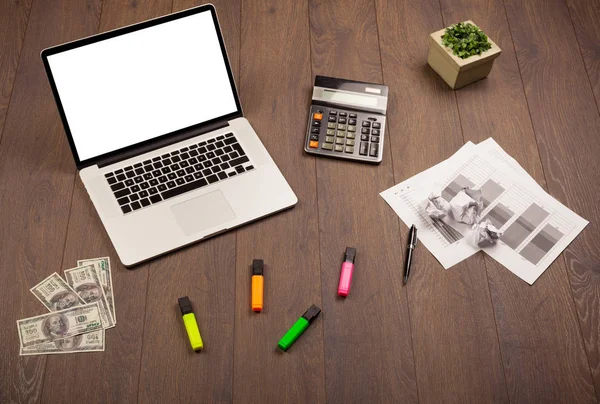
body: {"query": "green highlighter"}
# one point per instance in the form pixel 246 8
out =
pixel 298 328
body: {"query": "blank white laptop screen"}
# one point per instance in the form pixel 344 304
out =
pixel 144 84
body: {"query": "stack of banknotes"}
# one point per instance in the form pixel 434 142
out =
pixel 81 306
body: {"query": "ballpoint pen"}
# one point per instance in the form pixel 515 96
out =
pixel 412 243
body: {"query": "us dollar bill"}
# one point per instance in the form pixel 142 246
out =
pixel 103 269
pixel 59 325
pixel 87 284
pixel 90 342
pixel 55 294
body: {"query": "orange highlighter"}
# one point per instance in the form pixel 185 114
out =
pixel 258 283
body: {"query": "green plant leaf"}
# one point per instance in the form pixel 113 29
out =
pixel 465 40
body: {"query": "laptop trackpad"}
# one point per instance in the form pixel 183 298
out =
pixel 203 212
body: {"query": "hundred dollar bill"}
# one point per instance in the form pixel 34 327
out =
pixel 90 342
pixel 55 294
pixel 102 266
pixel 60 324
pixel 86 283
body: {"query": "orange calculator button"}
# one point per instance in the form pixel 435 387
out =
pixel 313 144
pixel 317 116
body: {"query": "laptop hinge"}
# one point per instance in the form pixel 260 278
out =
pixel 161 143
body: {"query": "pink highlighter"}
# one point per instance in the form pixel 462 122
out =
pixel 346 274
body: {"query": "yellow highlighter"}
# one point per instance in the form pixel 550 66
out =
pixel 191 326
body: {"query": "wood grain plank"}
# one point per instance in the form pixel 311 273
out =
pixel 376 363
pixel 543 360
pixel 13 20
pixel 120 362
pixel 585 15
pixel 36 183
pixel 275 85
pixel 566 122
pixel 457 354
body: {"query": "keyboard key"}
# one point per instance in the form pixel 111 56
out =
pixel 186 188
pixel 148 176
pixel 183 149
pixel 351 128
pixel 207 171
pixel 126 208
pixel 225 157
pixel 135 188
pixel 343 114
pixel 376 125
pixel 117 186
pixel 176 159
pixel 375 139
pixel 119 171
pixel 180 173
pixel 349 142
pixel 238 161
pixel 167 162
pixel 130 174
pixel 165 156
pixel 128 168
pixel 158 165
pixel 184 164
pixel 189 178
pixel 239 169
pixel 219 144
pixel 148 168
pixel 349 149
pixel 180 181
pixel 144 185
pixel 374 150
pixel 341 120
pixel 134 197
pixel 144 194
pixel 207 164
pixel 139 171
pixel 216 169
pixel 364 148
pixel 364 138
pixel 171 184
pixel 351 121
pixel 152 191
pixel 165 170
pixel 145 202
pixel 211 147
pixel 331 119
pixel 212 140
pixel 172 176
pixel 333 112
pixel 197 175
pixel 121 177
pixel 222 175
pixel 210 155
pixel 153 182
pixel 329 139
pixel 341 127
pixel 111 180
pixel 156 173
pixel 219 152
pixel 129 182
pixel 327 146
pixel 194 153
pixel 161 187
pixel 216 160
pixel 174 152
pixel 339 148
pixel 136 205
pixel 234 155
pixel 212 179
pixel 340 141
pixel 229 140
pixel 365 131
pixel 351 135
pixel 175 167
pixel 198 167
pixel 109 175
pixel 156 158
pixel 147 162
pixel 163 179
pixel 366 124
pixel 227 149
pixel 249 168
pixel 185 156
pixel 136 165
pixel 123 201
pixel 229 135
pixel 224 166
pixel 194 146
pixel 239 149
pixel 231 174
pixel 202 150
pixel 375 132
pixel 122 193
pixel 352 115
pixel 193 160
pixel 202 158
pixel 189 170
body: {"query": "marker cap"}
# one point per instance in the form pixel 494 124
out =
pixel 258 267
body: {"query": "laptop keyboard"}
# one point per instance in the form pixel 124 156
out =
pixel 172 174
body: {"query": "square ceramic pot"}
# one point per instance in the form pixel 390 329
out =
pixel 455 71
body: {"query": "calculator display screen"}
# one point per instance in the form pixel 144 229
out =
pixel 356 99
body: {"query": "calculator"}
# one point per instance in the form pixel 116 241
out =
pixel 347 120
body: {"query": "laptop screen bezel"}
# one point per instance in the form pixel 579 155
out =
pixel 123 31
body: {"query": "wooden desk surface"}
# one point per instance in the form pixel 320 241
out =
pixel 475 333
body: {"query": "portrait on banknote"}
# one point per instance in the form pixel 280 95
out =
pixel 55 325
pixel 64 300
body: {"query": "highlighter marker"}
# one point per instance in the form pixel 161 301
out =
pixel 191 326
pixel 346 274
pixel 298 328
pixel 258 282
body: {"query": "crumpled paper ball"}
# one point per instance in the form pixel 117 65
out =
pixel 485 233
pixel 437 207
pixel 467 205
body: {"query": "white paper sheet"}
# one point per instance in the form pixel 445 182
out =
pixel 536 227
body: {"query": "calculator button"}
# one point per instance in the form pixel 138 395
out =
pixel 317 116
pixel 316 123
pixel 331 126
pixel 375 132
pixel 351 128
pixel 341 134
pixel 351 135
pixel 329 139
pixel 313 144
pixel 351 121
pixel 343 114
pixel 350 142
pixel 332 118
pixel 339 148
pixel 374 150
pixel 364 148
pixel 327 146
pixel 330 132
pixel 314 137
pixel 365 131
pixel 332 112
pixel 339 141
pixel 341 127
pixel 364 138
pixel 349 149
pixel 316 130
pixel 352 115
pixel 342 120
pixel 375 139
pixel 376 125
pixel 366 124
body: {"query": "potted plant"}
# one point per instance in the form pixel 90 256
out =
pixel 461 54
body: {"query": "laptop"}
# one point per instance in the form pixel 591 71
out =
pixel 158 135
